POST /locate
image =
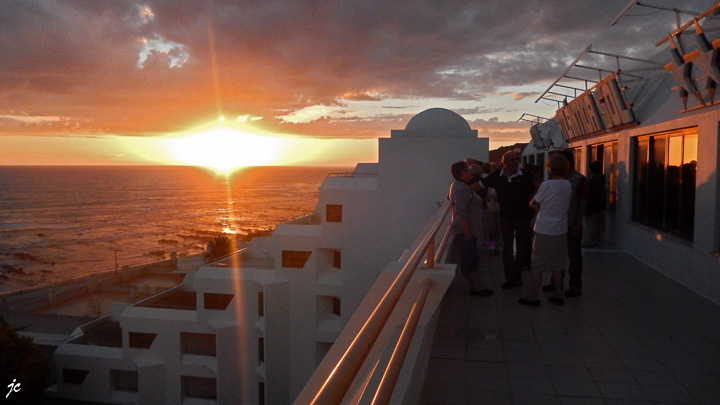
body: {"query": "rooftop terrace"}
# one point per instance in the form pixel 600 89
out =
pixel 634 336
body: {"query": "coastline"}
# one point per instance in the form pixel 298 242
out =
pixel 61 306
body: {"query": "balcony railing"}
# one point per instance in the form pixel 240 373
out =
pixel 378 357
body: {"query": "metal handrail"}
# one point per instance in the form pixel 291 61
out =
pixel 392 371
pixel 341 377
pixel 444 242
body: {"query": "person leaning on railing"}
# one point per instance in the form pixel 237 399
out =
pixel 465 243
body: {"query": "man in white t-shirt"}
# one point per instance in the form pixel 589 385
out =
pixel 549 249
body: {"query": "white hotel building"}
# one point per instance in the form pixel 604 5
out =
pixel 654 127
pixel 252 328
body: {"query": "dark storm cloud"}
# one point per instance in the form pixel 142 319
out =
pixel 79 59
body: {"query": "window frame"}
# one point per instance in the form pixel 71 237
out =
pixel 663 193
pixel 606 153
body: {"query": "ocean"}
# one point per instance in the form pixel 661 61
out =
pixel 61 222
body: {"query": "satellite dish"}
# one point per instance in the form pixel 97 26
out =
pixel 536 138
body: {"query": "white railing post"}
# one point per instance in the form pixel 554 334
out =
pixel 430 261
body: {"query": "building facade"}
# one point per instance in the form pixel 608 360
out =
pixel 657 138
pixel 252 327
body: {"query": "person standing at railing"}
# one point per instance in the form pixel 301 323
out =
pixel 549 248
pixel 465 243
pixel 514 190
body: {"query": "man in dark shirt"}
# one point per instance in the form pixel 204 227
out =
pixel 514 191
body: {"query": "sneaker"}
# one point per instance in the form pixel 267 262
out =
pixel 526 301
pixel 556 300
pixel 549 288
pixel 510 284
pixel 485 292
pixel 573 292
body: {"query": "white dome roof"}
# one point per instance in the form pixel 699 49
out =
pixel 438 119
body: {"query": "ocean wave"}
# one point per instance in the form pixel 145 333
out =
pixel 31 226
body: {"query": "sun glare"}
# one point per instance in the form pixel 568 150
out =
pixel 225 149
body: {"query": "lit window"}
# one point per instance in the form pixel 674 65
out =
pixel 664 181
pixel 141 340
pixel 123 380
pixel 577 154
pixel 295 259
pixel 333 213
pixel 198 387
pixel 202 344
pixel 217 301
pixel 606 154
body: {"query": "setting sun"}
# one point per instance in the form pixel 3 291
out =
pixel 225 149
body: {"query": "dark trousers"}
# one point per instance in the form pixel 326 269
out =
pixel 575 260
pixel 518 231
pixel 466 251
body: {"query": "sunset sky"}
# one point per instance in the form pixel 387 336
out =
pixel 292 82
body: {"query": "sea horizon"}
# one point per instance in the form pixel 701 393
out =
pixel 63 221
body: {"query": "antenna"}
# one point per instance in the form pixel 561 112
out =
pixel 535 121
pixel 622 13
pixel 677 11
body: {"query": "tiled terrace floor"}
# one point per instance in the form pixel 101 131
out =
pixel 633 337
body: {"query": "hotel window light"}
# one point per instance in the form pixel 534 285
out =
pixel 606 154
pixel 333 213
